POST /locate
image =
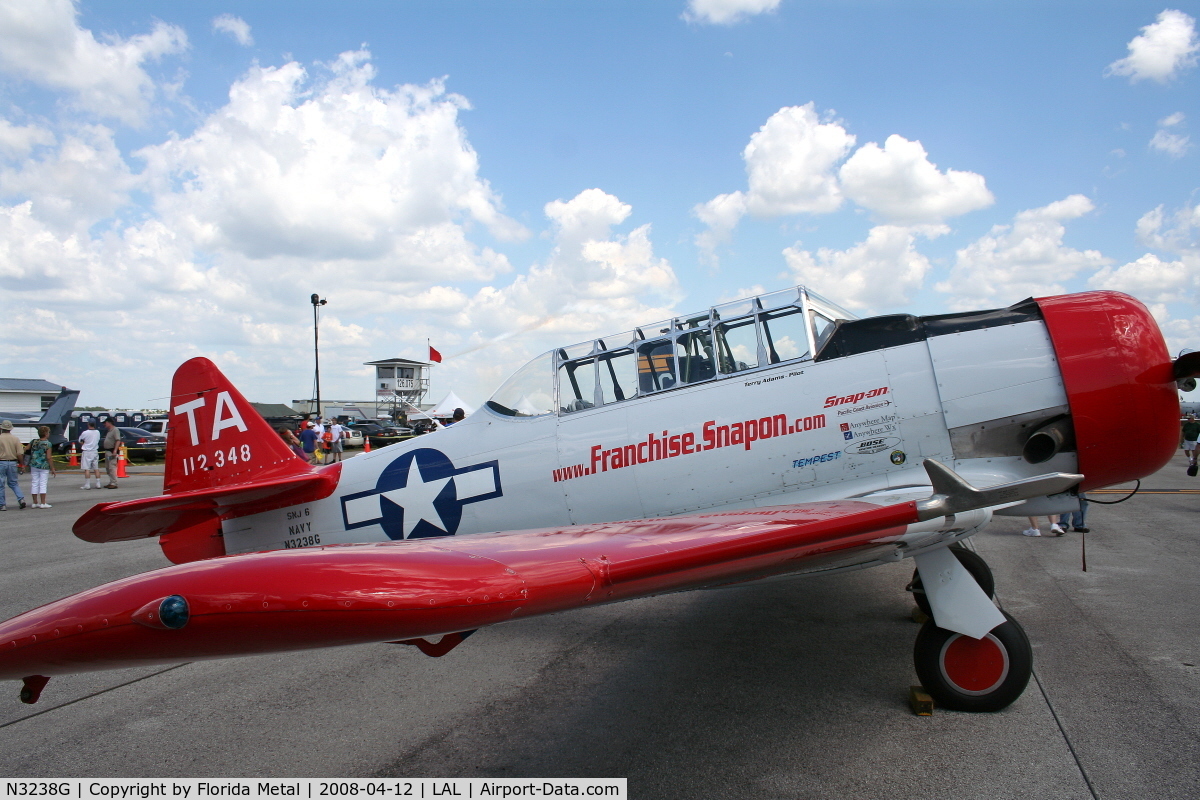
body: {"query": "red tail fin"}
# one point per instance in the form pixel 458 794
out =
pixel 217 438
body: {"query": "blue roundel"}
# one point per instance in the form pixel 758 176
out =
pixel 432 467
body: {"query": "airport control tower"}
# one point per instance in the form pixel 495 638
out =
pixel 399 381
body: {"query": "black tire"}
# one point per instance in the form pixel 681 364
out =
pixel 975 565
pixel 965 674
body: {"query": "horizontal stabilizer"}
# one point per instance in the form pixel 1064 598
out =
pixel 155 516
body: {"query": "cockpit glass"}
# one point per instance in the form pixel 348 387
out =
pixel 577 350
pixel 618 376
pixel 529 392
pixel 785 335
pixel 694 357
pixel 656 329
pixel 737 345
pixel 656 366
pixel 779 299
pixel 577 385
pixel 738 308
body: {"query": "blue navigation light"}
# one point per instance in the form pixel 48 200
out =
pixel 173 612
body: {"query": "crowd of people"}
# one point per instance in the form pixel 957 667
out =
pixel 38 456
pixel 322 441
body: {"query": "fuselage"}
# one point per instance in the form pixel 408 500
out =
pixel 880 396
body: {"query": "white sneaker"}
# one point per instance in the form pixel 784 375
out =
pixel 47 505
pixel 86 486
pixel 1056 530
pixel 36 505
pixel 1031 532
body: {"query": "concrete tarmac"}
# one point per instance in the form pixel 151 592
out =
pixel 793 689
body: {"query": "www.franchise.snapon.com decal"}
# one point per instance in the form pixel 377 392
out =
pixel 657 447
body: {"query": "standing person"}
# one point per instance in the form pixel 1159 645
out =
pixel 1075 519
pixel 1032 530
pixel 336 443
pixel 459 416
pixel 1189 433
pixel 308 442
pixel 293 442
pixel 11 454
pixel 89 448
pixel 41 466
pixel 112 440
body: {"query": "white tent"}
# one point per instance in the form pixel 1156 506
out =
pixel 447 406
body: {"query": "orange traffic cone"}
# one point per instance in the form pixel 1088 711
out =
pixel 121 473
pixel 366 444
pixel 74 462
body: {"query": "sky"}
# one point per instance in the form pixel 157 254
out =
pixel 500 178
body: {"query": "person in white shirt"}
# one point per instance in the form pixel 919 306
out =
pixel 336 443
pixel 89 444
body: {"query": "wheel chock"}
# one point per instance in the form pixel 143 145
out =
pixel 920 701
pixel 919 616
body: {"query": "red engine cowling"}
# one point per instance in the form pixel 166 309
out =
pixel 1119 382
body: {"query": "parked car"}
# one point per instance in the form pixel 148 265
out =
pixel 143 444
pixel 158 426
pixel 351 437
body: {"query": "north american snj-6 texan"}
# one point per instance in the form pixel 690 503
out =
pixel 774 436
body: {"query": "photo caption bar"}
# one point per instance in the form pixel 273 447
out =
pixel 417 788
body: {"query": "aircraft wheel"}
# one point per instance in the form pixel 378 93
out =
pixel 965 674
pixel 975 565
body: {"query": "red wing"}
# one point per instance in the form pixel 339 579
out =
pixel 317 597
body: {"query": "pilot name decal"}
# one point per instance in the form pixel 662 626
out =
pixel 656 448
pixel 421 494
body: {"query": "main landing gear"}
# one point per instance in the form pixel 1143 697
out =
pixel 966 674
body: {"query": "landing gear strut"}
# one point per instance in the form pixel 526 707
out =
pixel 975 565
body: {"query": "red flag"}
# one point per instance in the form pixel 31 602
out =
pixel 434 355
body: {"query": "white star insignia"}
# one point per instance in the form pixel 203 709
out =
pixel 416 498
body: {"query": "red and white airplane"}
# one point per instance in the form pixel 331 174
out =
pixel 772 436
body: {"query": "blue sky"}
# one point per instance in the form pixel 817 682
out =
pixel 177 178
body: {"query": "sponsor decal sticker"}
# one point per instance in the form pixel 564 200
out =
pixel 854 399
pixel 898 457
pixel 807 462
pixel 866 447
pixel 671 445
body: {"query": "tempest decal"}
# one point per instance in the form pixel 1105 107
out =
pixel 656 448
pixel 421 494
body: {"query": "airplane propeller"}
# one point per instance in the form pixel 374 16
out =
pixel 1185 370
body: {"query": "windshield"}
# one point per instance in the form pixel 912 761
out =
pixel 529 392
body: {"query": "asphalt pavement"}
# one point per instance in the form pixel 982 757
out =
pixel 793 689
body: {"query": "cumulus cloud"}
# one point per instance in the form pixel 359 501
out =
pixel 43 43
pixel 792 168
pixel 18 141
pixel 1025 258
pixel 901 185
pixel 790 164
pixel 336 170
pixel 1166 141
pixel 1164 49
pixel 236 27
pixel 878 273
pixel 1154 279
pixel 74 185
pixel 726 12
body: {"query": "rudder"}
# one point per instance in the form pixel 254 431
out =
pixel 217 438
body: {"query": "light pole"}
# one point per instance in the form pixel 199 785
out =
pixel 317 302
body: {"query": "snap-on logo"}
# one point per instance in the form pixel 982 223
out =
pixel 851 399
